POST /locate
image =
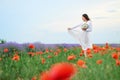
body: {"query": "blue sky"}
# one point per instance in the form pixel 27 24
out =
pixel 47 21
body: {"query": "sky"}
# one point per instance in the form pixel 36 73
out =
pixel 46 21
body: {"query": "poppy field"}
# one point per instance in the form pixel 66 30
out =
pixel 60 63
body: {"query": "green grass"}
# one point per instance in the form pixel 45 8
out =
pixel 28 67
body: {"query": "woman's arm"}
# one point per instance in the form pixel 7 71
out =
pixel 76 26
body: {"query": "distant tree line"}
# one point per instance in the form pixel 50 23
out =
pixel 2 41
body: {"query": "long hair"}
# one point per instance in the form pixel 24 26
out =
pixel 86 17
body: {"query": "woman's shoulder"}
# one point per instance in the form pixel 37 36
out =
pixel 89 21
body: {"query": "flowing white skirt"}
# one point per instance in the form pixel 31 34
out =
pixel 83 37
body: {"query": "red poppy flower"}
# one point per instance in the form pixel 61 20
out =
pixel 43 60
pixel 56 53
pixel 16 57
pixel 88 51
pixel 99 61
pixel 118 49
pixel 81 54
pixel 49 56
pixel 51 50
pixel 58 50
pixel 65 49
pixel 96 50
pixel 0 59
pixel 62 71
pixel 71 57
pixel 34 78
pixel 103 49
pixel 40 52
pixel 47 50
pixel 107 45
pixel 31 53
pixel 81 63
pixel 119 54
pixel 82 51
pixel 95 47
pixel 31 46
pixel 45 76
pixel 6 50
pixel 117 62
pixel 90 55
pixel 115 56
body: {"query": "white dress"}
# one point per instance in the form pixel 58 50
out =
pixel 82 36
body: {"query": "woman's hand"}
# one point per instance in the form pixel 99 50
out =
pixel 69 28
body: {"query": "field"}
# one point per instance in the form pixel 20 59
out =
pixel 102 63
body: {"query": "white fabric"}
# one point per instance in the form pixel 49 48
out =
pixel 82 36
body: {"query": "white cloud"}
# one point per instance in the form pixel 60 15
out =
pixel 107 9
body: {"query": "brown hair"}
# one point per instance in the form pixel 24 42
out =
pixel 86 17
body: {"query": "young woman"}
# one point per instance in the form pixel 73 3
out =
pixel 82 33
